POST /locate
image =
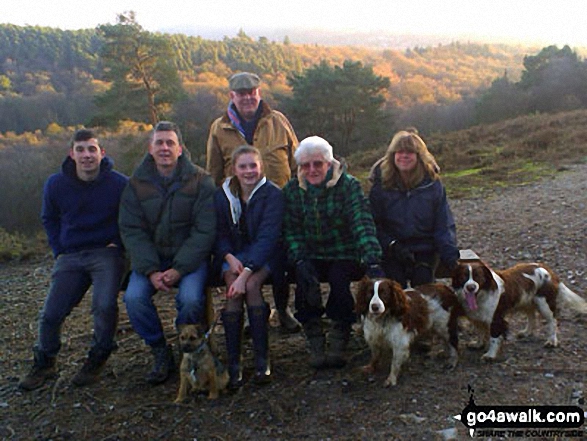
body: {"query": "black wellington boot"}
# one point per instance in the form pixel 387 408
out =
pixel 258 316
pixel 233 331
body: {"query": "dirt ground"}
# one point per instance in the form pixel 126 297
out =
pixel 545 221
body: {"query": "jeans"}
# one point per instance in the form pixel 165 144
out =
pixel 190 302
pixel 340 304
pixel 71 278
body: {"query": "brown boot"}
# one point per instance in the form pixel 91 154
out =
pixel 42 370
pixel 91 369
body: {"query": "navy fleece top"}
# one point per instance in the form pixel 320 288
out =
pixel 79 215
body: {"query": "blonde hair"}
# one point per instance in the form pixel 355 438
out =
pixel 410 142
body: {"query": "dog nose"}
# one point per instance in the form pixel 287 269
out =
pixel 375 308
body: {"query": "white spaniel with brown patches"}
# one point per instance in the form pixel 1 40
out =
pixel 488 296
pixel 393 319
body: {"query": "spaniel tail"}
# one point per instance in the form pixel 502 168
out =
pixel 571 300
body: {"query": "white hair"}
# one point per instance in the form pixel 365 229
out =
pixel 313 145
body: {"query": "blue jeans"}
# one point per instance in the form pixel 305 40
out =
pixel 190 303
pixel 71 278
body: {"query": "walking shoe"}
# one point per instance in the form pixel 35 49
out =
pixel 163 364
pixel 89 372
pixel 42 370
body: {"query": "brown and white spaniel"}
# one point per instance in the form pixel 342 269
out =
pixel 488 296
pixel 393 319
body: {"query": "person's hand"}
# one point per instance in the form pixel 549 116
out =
pixel 236 266
pixel 156 279
pixel 171 277
pixel 239 286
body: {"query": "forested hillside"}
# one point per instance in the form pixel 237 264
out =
pixel 53 80
pixel 52 76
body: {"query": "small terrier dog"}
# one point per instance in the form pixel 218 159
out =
pixel 200 367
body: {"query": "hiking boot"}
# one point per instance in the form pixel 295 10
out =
pixel 338 338
pixel 43 369
pixel 163 364
pixel 288 324
pixel 315 339
pixel 91 369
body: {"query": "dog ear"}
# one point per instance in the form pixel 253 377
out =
pixel 490 283
pixel 398 301
pixel 364 294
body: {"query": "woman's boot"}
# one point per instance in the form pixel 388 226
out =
pixel 258 320
pixel 233 331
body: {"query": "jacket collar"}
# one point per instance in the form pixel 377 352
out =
pixel 265 110
pixel 230 188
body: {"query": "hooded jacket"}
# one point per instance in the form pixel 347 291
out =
pixel 263 218
pixel 81 215
pixel 419 218
pixel 329 222
pixel 274 137
pixel 169 226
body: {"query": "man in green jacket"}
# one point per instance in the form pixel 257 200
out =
pixel 250 120
pixel 167 223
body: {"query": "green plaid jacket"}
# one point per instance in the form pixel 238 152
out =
pixel 332 223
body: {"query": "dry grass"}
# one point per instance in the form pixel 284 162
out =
pixel 512 152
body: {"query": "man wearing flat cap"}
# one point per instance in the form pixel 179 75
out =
pixel 250 120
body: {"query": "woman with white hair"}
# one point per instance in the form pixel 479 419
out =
pixel 330 236
pixel 415 226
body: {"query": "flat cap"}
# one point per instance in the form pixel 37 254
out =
pixel 244 80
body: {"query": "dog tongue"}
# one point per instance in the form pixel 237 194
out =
pixel 471 301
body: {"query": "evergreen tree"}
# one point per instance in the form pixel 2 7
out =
pixel 141 67
pixel 341 104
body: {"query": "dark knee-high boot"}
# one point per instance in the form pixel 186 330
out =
pixel 233 331
pixel 258 320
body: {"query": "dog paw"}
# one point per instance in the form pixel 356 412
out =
pixel 368 369
pixel 488 357
pixel 475 345
pixel 179 400
pixel 551 343
pixel 450 365
pixel 390 382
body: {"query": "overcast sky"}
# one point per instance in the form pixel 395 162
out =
pixel 541 21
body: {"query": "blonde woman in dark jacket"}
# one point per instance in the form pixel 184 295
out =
pixel 414 223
